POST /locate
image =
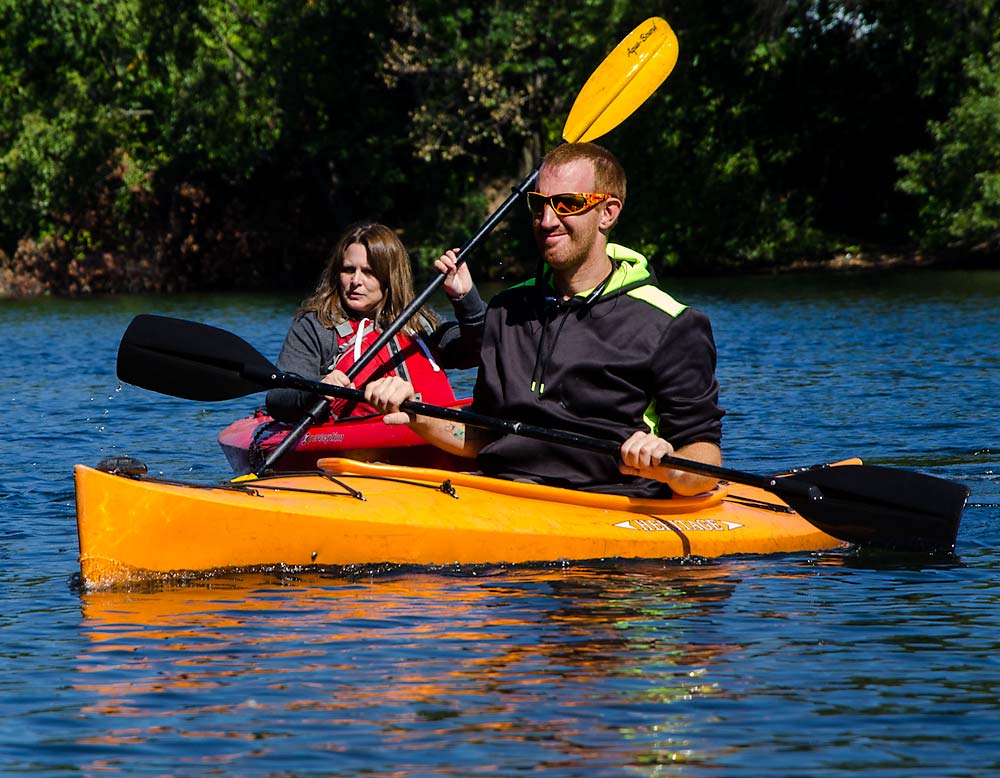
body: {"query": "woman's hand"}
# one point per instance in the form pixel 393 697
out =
pixel 458 279
pixel 337 378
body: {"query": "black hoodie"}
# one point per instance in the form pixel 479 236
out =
pixel 609 362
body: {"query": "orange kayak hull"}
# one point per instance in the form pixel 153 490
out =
pixel 357 513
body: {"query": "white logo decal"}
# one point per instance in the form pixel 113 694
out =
pixel 681 525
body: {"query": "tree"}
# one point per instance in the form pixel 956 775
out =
pixel 219 143
pixel 957 181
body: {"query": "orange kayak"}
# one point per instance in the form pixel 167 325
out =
pixel 352 513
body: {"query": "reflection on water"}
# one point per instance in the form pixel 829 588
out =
pixel 748 667
pixel 403 662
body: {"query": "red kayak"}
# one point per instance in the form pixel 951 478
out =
pixel 247 443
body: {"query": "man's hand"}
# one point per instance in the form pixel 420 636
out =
pixel 641 455
pixel 386 395
pixel 643 452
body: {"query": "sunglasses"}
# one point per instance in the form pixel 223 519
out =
pixel 565 204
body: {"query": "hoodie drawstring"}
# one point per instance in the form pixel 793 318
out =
pixel 543 356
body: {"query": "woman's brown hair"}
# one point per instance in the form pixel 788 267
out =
pixel 389 262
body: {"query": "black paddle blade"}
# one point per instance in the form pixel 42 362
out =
pixel 886 507
pixel 190 360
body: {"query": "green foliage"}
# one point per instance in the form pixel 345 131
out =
pixel 776 137
pixel 205 143
pixel 490 85
pixel 958 181
pixel 48 137
pixel 109 94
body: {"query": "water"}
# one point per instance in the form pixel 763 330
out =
pixel 828 664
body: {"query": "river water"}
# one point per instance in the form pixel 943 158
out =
pixel 812 664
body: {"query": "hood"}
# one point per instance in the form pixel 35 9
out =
pixel 630 271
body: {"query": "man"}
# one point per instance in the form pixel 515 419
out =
pixel 592 346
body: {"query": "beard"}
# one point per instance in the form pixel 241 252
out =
pixel 570 249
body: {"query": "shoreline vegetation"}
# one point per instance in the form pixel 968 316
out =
pixel 40 274
pixel 213 145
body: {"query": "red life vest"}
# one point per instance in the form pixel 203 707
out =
pixel 406 356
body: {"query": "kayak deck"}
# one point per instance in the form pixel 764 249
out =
pixel 354 513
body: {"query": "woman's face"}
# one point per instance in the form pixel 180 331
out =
pixel 360 290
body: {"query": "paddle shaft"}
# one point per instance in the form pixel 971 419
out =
pixel 418 302
pixel 869 505
pixel 599 102
pixel 593 103
pixel 505 426
pixel 865 504
pixel 315 413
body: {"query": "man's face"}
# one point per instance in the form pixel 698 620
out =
pixel 565 242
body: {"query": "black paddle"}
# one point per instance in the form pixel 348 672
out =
pixel 620 84
pixel 872 506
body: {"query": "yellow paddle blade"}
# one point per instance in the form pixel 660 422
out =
pixel 623 81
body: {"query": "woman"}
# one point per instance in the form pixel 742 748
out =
pixel 366 285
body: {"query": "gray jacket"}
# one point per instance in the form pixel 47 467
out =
pixel 310 348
